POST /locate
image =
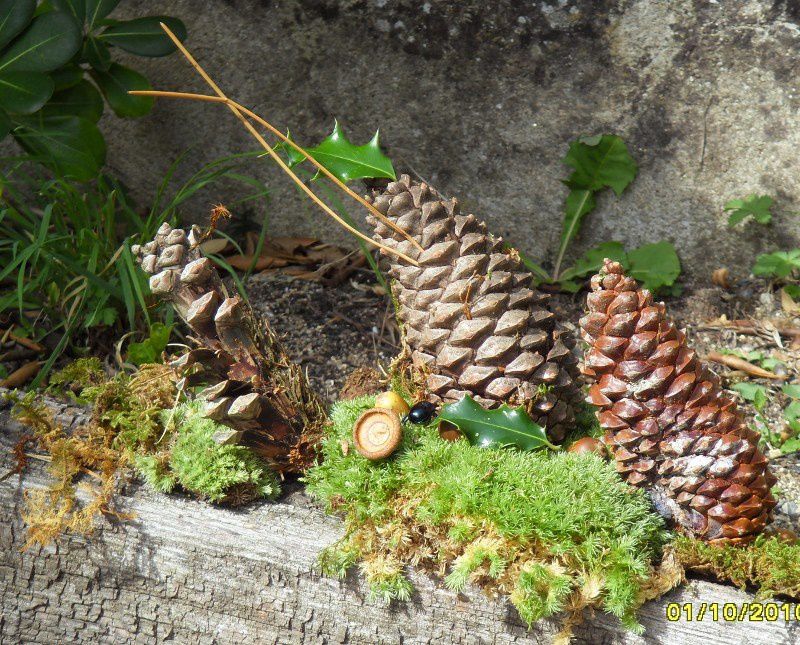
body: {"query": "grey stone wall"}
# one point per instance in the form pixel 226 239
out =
pixel 482 99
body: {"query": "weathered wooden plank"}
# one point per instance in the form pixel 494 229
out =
pixel 186 571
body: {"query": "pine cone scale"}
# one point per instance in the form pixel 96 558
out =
pixel 471 320
pixel 668 423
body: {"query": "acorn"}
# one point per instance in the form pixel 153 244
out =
pixel 588 444
pixel 377 433
pixel 449 431
pixel 392 401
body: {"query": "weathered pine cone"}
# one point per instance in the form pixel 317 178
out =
pixel 472 321
pixel 669 424
pixel 254 386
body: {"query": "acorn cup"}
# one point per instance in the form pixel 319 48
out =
pixel 670 426
pixel 377 433
pixel 472 321
pixel 253 385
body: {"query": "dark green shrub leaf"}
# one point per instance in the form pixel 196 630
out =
pixel 66 76
pixel 24 92
pixel 757 206
pixel 5 125
pixel 115 85
pixel 75 8
pixel 144 36
pixel 81 100
pixel 654 265
pixel 347 161
pixel 150 349
pixel 50 42
pixel 777 265
pixel 14 17
pixel 96 10
pixel 70 146
pixel 497 428
pixel 96 54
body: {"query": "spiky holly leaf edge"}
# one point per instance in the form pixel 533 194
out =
pixel 344 159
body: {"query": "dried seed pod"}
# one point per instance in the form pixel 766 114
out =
pixel 377 433
pixel 588 444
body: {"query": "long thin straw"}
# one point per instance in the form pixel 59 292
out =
pixel 257 136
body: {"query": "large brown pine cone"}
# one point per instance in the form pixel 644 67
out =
pixel 471 318
pixel 668 422
pixel 254 387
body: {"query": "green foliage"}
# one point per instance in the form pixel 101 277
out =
pixel 598 162
pixel 778 265
pixel 151 348
pixel 498 428
pixel 66 270
pixel 791 415
pixel 496 516
pixel 655 266
pixel 755 206
pixel 48 50
pixel 207 469
pixel 769 564
pixel 752 392
pixel 345 160
pixel 759 358
pixel 602 162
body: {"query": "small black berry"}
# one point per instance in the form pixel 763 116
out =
pixel 422 412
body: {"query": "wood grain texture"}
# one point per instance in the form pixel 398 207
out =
pixel 186 572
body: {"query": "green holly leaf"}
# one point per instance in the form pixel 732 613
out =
pixel 345 160
pixel 497 428
pixel 655 266
pixel 756 206
pixel 150 349
pixel 777 265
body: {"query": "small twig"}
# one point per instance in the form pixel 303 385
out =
pixel 736 363
pixel 237 111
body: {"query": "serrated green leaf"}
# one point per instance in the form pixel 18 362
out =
pixel 591 261
pixel 345 160
pixel 115 84
pixel 757 206
pixel 71 146
pixel 144 36
pixel 599 162
pixel 50 42
pixel 82 100
pixel 14 17
pixel 24 92
pixel 496 428
pixel 655 266
pixel 777 265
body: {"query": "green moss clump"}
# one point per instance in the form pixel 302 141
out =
pixel 213 471
pixel 768 563
pixel 554 531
